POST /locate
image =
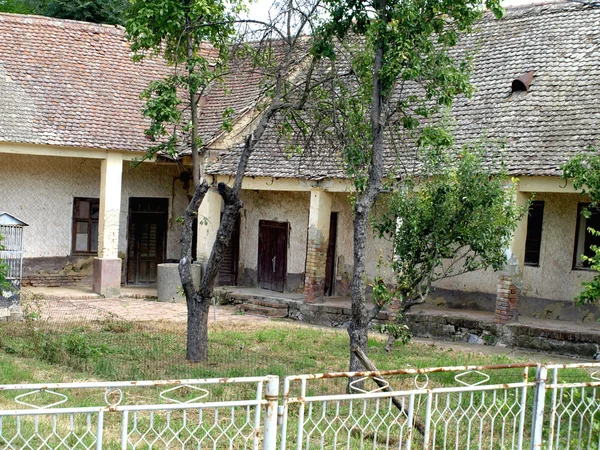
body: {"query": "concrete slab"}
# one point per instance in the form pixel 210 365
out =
pixel 84 293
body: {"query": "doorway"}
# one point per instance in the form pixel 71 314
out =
pixel 147 239
pixel 228 272
pixel 272 254
pixel 330 264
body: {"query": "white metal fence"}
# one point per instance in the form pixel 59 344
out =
pixel 473 407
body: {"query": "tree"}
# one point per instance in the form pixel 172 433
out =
pixel 390 72
pixel 196 38
pixel 96 11
pixel 584 171
pixel 459 218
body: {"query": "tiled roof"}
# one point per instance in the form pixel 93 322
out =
pixel 69 83
pixel 542 128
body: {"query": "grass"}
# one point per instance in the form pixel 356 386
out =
pixel 111 350
pixel 41 351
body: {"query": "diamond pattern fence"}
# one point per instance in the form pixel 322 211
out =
pixel 493 407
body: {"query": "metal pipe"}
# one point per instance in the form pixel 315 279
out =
pixel 538 412
pixel 270 427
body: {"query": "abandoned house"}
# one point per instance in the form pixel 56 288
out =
pixel 71 126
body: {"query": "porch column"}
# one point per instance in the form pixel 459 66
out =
pixel 209 220
pixel 107 266
pixel 507 294
pixel 319 219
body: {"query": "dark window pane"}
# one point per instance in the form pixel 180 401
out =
pixel 82 209
pixel 94 237
pixel 95 209
pixel 533 242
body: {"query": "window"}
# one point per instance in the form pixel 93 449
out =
pixel 533 241
pixel 584 239
pixel 85 225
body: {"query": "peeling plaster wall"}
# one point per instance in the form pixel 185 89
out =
pixel 291 207
pixel 153 180
pixel 555 278
pixel 40 191
pixel 344 262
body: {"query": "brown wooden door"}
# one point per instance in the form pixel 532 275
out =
pixel 228 272
pixel 272 254
pixel 147 239
pixel 330 264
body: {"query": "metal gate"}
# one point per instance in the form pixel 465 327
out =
pixel 215 413
pixel 471 407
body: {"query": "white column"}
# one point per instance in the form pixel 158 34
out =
pixel 209 220
pixel 517 247
pixel 110 206
pixel 107 267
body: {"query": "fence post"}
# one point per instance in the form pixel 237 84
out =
pixel 538 407
pixel 270 429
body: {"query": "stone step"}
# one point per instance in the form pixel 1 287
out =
pixel 279 311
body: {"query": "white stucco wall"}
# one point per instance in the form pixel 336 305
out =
pixel 555 278
pixel 40 190
pixel 345 244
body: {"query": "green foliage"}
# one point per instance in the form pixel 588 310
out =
pixel 458 219
pixel 3 268
pixel 406 44
pixel 193 37
pixel 96 11
pixel 584 171
pixel 400 332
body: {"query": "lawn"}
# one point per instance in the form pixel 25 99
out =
pixel 115 350
pixel 36 351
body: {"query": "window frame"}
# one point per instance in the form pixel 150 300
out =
pixel 577 263
pixel 89 220
pixel 541 204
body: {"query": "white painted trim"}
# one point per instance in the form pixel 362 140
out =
pixel 67 152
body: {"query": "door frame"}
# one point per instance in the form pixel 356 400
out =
pixel 134 213
pixel 280 225
pixel 331 253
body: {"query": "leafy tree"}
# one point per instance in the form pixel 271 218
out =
pixel 198 38
pixel 459 219
pixel 96 11
pixel 390 72
pixel 584 171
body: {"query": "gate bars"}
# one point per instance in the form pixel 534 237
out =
pixel 515 406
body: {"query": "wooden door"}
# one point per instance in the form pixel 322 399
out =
pixel 330 264
pixel 272 254
pixel 147 239
pixel 228 272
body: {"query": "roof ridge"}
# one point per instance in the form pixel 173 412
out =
pixel 61 23
pixel 548 5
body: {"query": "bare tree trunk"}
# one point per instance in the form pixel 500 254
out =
pixel 198 301
pixel 358 328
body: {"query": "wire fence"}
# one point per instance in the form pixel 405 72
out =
pixel 135 343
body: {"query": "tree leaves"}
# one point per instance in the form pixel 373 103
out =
pixel 460 218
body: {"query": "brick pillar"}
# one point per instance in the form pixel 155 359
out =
pixel 319 219
pixel 107 266
pixel 506 300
